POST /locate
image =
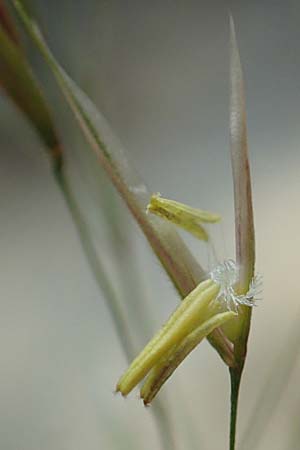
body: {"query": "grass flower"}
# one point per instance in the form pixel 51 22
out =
pixel 211 304
pixel 196 316
pixel 190 219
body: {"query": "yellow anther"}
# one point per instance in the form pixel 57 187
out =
pixel 190 219
pixel 160 373
pixel 182 322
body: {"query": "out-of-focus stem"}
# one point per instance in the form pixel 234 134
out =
pixel 122 327
pixel 97 267
pixel 7 24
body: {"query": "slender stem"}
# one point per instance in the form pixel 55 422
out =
pixel 244 223
pixel 122 327
pixel 98 269
pixel 235 380
pixel 164 426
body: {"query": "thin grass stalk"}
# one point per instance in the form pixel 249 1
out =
pixel 160 414
pixel 235 382
pixel 244 226
pixel 8 25
pixel 95 264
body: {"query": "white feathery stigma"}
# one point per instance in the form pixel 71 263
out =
pixel 226 275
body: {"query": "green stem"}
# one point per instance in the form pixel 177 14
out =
pixel 235 381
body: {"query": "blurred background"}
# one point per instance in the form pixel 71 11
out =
pixel 158 71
